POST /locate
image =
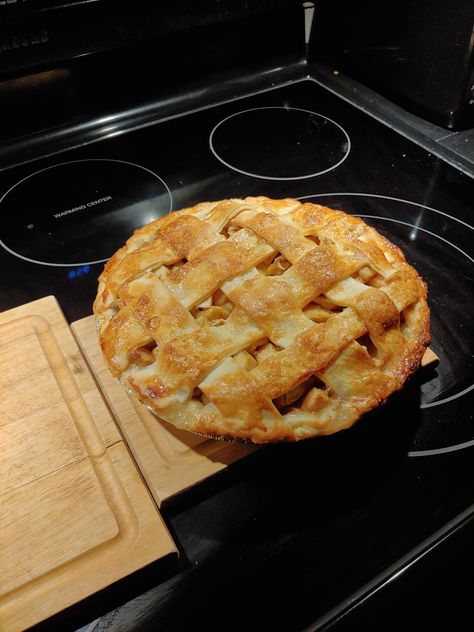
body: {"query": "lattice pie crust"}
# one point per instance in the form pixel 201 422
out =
pixel 258 319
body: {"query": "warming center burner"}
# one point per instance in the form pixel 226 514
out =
pixel 79 212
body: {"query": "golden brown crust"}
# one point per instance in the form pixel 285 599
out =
pixel 261 320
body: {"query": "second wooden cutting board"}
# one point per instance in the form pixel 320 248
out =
pixel 170 460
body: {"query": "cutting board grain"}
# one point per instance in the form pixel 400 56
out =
pixel 170 460
pixel 75 515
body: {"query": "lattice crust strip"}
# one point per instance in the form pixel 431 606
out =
pixel 261 319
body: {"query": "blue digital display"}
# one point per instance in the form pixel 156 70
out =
pixel 78 272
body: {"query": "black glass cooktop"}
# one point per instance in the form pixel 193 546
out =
pixel 326 516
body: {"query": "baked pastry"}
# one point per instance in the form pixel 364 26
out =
pixel 259 319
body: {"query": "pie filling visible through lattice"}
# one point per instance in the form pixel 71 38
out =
pixel 259 319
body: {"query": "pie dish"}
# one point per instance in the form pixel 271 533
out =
pixel 261 320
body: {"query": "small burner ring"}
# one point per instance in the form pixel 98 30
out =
pixel 279 143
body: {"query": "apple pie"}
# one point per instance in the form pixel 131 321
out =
pixel 261 320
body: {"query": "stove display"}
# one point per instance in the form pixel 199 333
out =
pixel 346 508
pixel 279 143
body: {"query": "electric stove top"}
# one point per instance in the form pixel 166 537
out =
pixel 297 529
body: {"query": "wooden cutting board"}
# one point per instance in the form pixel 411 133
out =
pixel 75 515
pixel 170 460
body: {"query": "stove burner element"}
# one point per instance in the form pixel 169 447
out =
pixel 279 143
pixel 439 259
pixel 79 212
